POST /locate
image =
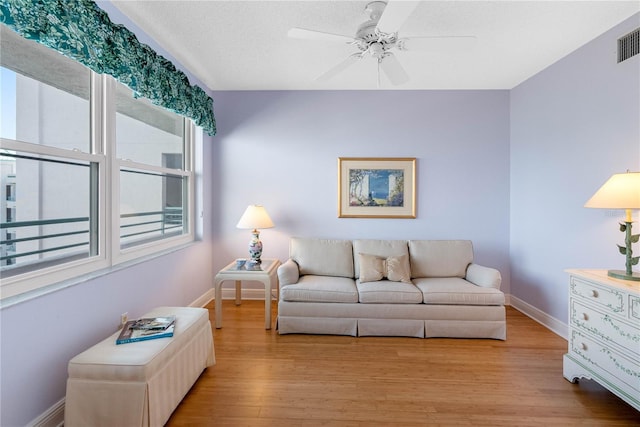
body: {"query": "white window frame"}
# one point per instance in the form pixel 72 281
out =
pixel 32 280
pixel 124 255
pixel 103 143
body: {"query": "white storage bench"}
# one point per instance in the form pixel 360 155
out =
pixel 140 383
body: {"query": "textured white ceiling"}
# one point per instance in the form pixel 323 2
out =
pixel 243 45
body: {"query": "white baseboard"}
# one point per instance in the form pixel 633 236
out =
pixel 210 295
pixel 204 299
pixel 248 294
pixel 554 325
pixel 52 417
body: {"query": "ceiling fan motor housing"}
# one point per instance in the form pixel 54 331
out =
pixel 375 9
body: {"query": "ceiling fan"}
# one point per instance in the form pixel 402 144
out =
pixel 378 38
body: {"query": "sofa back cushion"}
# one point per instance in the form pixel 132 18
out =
pixel 440 258
pixel 379 248
pixel 322 257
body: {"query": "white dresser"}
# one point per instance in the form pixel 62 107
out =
pixel 604 333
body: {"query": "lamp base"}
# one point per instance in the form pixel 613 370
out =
pixel 255 247
pixel 622 274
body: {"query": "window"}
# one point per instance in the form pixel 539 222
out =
pixel 54 221
pixel 85 167
pixel 10 193
pixel 150 146
pixel 45 96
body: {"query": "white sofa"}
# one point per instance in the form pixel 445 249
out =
pixel 414 288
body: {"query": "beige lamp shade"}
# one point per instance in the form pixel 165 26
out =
pixel 255 217
pixel 621 191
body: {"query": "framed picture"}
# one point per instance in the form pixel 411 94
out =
pixel 370 187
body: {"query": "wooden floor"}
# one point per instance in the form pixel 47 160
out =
pixel 265 379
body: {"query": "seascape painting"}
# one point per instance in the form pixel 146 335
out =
pixel 376 187
pixel 370 187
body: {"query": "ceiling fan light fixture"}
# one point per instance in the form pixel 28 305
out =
pixel 376 50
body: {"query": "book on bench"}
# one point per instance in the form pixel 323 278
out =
pixel 130 333
pixel 153 323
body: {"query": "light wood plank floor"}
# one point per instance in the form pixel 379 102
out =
pixel 265 379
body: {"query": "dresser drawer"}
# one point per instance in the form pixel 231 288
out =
pixel 605 327
pixel 600 358
pixel 634 308
pixel 608 298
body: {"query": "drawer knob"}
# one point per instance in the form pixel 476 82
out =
pixel 585 316
pixel 594 293
pixel 583 346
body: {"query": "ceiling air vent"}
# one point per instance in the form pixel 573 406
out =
pixel 629 45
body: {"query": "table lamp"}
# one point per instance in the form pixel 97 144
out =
pixel 621 191
pixel 255 217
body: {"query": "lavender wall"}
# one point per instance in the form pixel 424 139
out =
pixel 280 149
pixel 572 126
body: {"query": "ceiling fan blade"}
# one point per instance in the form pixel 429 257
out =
pixel 340 67
pixel 438 44
pixel 395 14
pixel 301 33
pixel 394 71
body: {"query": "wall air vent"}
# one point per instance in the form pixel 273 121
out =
pixel 629 45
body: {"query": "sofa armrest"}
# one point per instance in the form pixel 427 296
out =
pixel 485 277
pixel 288 273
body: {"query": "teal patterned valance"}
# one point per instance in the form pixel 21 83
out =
pixel 81 30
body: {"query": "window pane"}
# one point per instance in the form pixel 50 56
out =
pixel 45 96
pixel 151 207
pixel 146 133
pixel 46 209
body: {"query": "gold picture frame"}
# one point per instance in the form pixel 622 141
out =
pixel 376 187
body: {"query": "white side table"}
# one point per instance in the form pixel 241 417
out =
pixel 266 273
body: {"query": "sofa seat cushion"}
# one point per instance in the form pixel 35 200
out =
pixel 312 288
pixel 388 292
pixel 453 290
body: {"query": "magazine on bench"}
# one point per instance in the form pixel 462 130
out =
pixel 158 323
pixel 130 334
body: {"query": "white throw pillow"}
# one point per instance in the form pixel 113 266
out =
pixel 374 268
pixel 398 269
